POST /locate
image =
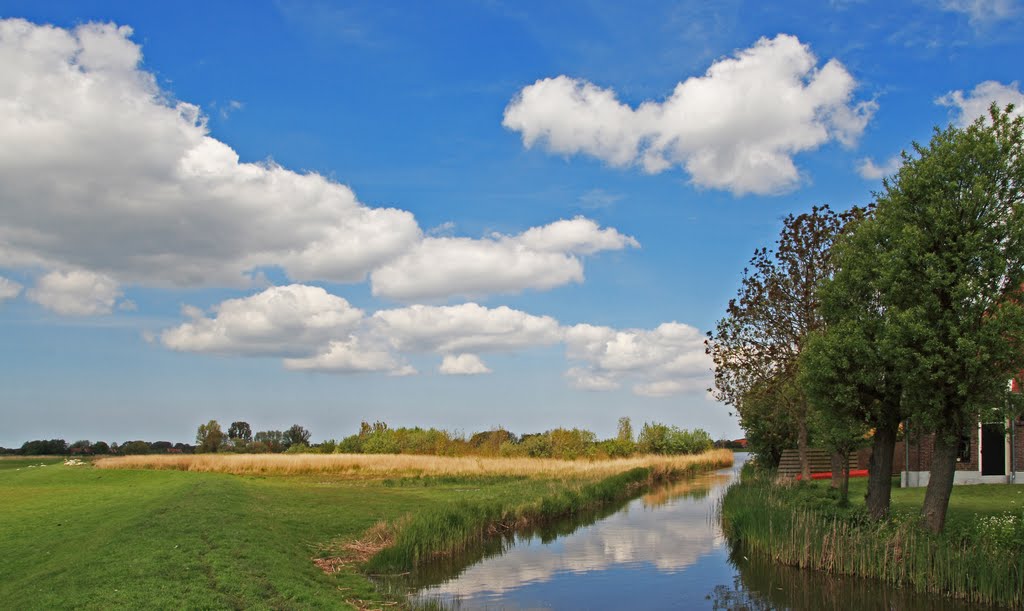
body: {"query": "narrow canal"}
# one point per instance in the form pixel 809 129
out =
pixel 663 550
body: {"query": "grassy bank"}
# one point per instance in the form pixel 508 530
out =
pixel 92 538
pixel 980 557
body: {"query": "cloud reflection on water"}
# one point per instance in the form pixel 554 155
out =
pixel 668 529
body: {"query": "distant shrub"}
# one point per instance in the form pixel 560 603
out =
pixel 135 447
pixel 353 444
pixel 43 446
pixel 617 448
pixel 570 444
pixel 381 442
pixel 488 443
pixel 536 445
pixel 656 438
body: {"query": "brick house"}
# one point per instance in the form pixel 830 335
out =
pixel 991 453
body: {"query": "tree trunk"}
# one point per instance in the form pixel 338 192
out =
pixel 801 446
pixel 845 489
pixel 940 482
pixel 837 470
pixel 883 444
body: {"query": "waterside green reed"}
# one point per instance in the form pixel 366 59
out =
pixel 775 521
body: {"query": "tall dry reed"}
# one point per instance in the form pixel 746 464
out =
pixel 369 466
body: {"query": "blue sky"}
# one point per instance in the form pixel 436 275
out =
pixel 454 214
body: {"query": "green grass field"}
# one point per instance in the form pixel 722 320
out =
pixel 79 537
pixel 88 538
pixel 965 504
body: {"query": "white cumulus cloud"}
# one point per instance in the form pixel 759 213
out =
pixel 975 104
pixel 350 356
pixel 282 320
pixel 867 168
pixel 103 171
pixel 582 378
pixel 539 258
pixel 668 359
pixel 9 289
pixel 463 365
pixel 467 327
pixel 736 127
pixel 76 293
pixel 313 330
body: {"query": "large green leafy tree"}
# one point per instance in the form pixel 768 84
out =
pixel 240 433
pixel 209 437
pixel 755 347
pixel 951 248
pixel 296 435
pixel 850 372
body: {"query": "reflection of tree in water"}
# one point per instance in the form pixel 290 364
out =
pixel 691 489
pixel 762 585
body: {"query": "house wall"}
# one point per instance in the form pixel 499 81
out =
pixel 1018 450
pixel 922 448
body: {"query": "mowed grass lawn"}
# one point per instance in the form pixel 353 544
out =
pixel 965 504
pixel 86 538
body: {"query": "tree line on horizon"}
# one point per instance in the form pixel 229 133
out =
pixel 379 438
pixel 907 310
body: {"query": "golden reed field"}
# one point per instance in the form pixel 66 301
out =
pixel 409 465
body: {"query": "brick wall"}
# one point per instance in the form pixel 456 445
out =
pixel 922 448
pixel 1018 443
pixel 972 464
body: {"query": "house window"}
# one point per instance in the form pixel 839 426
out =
pixel 963 451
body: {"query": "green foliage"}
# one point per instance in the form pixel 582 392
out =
pixel 802 525
pixel 625 430
pixel 100 447
pixel 488 443
pixel 82 445
pixel 616 448
pixel 269 441
pixel 570 444
pixel 769 429
pixel 353 444
pixel 209 437
pixel 1002 533
pixel 40 447
pixel 756 346
pixel 954 220
pixel 240 433
pixel 658 438
pixel 135 447
pixel 837 419
pixel 295 435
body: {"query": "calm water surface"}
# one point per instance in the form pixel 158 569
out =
pixel 664 550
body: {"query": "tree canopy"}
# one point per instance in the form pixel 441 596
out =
pixel 755 347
